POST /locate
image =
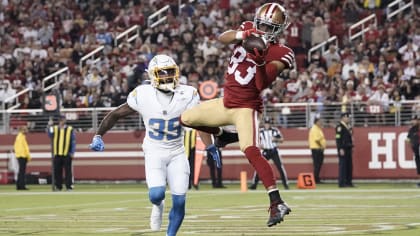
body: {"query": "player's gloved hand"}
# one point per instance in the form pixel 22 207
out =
pixel 258 57
pixel 242 35
pixel 212 149
pixel 97 143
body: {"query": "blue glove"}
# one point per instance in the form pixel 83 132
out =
pixel 97 143
pixel 212 149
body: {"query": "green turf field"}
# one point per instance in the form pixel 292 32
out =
pixel 369 209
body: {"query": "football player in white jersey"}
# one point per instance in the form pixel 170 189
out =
pixel 160 103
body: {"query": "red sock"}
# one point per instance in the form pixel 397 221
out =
pixel 261 165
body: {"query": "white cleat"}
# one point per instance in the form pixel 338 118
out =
pixel 156 216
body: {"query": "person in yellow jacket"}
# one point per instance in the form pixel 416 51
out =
pixel 317 144
pixel 23 156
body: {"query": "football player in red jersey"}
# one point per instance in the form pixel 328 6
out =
pixel 247 75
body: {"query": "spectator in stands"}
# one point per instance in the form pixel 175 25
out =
pixel 416 36
pixel 68 101
pixel 77 53
pixel 382 70
pixel 303 88
pixel 95 101
pixel 121 96
pixel 372 34
pixel 390 49
pixel 319 32
pixel 122 19
pixel 415 82
pixel 351 11
pixel 37 50
pixel 349 65
pixel 330 54
pixel 29 33
pixel 380 99
pixel 334 69
pixel 6 90
pixel 23 155
pixel 45 33
pixel 410 69
pixel 395 100
pixel 373 53
pixel 365 66
pixel 80 21
pixel 136 16
pixel 107 12
pixel 93 79
pixel 102 36
pixel 53 63
pixel 107 93
pixel 294 32
pixel 359 52
pixel 306 32
pixel 208 47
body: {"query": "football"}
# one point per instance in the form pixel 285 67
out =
pixel 254 42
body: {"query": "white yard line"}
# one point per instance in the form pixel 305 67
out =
pixel 111 230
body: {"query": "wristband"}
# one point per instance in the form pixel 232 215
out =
pixel 262 64
pixel 239 35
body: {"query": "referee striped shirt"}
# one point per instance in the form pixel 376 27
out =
pixel 267 137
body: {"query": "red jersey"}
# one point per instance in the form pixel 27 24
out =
pixel 293 34
pixel 240 90
pixel 371 35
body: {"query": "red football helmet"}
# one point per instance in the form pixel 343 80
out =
pixel 272 19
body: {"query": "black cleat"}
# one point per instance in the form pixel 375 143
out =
pixel 253 187
pixel 277 213
pixel 23 188
pixel 225 138
pixel 219 186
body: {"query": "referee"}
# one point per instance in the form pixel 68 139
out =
pixel 190 140
pixel 64 146
pixel 269 136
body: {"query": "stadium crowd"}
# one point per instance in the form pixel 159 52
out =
pixel 40 37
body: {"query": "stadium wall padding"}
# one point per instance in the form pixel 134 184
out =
pixel 379 153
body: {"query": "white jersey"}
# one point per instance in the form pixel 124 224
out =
pixel 163 129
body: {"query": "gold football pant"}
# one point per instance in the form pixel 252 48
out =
pixel 213 113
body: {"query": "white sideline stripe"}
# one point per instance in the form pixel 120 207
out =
pixel 140 192
pixel 215 193
pixel 121 154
